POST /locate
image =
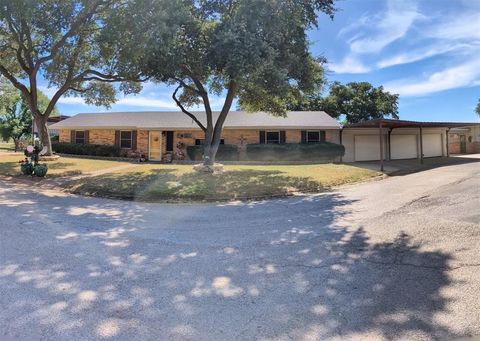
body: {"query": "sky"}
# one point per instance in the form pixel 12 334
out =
pixel 427 51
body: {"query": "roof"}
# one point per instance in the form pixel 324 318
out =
pixel 178 120
pixel 389 123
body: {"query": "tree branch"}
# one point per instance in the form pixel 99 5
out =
pixel 185 111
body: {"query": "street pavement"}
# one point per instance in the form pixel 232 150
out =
pixel 391 259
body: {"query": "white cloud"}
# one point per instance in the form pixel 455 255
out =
pixel 462 75
pixel 348 65
pixel 384 29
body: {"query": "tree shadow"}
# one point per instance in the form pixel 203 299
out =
pixel 167 184
pixel 282 269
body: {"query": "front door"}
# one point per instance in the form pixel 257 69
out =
pixel 463 144
pixel 155 150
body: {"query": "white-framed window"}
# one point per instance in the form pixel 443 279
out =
pixel 272 137
pixel 80 137
pixel 315 136
pixel 126 139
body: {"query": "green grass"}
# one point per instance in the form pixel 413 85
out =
pixel 9 146
pixel 10 165
pixel 181 183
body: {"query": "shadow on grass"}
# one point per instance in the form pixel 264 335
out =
pixel 166 184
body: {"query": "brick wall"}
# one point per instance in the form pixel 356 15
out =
pixel 238 137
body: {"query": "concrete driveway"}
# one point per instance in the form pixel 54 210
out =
pixel 391 259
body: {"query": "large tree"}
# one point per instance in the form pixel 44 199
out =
pixel 61 41
pixel 15 113
pixel 477 108
pixel 256 51
pixel 356 101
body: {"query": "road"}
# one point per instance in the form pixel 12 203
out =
pixel 390 259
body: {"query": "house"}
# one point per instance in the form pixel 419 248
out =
pixel 50 121
pixel 158 134
pixel 161 134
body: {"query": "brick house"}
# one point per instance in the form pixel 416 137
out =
pixel 465 140
pixel 161 135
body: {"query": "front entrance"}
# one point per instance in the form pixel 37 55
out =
pixel 155 146
pixel 463 144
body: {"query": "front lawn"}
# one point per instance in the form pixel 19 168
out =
pixel 9 146
pixel 180 183
pixel 9 165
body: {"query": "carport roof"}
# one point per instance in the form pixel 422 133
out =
pixel 389 123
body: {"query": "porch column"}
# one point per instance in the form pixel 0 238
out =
pixel 380 131
pixel 421 144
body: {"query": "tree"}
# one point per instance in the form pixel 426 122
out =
pixel 358 101
pixel 256 51
pixel 477 109
pixel 15 113
pixel 59 39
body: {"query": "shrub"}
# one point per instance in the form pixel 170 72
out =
pixel 26 168
pixel 40 170
pixel 226 152
pixel 86 149
pixel 323 151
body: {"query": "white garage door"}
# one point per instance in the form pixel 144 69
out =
pixel 432 145
pixel 367 148
pixel 403 147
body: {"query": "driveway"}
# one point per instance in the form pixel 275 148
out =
pixel 390 259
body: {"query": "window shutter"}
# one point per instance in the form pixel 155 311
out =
pixel 87 136
pixel 322 136
pixel 117 138
pixel 134 140
pixel 169 141
pixel 72 136
pixel 282 136
pixel 262 137
pixel 304 136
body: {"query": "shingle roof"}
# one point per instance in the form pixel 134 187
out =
pixel 178 120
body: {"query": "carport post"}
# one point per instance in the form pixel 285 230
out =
pixel 448 152
pixel 421 144
pixel 380 131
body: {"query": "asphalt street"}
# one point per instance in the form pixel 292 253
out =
pixel 391 259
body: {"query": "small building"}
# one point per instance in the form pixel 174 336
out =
pixel 386 139
pixel 157 134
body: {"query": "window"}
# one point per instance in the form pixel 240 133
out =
pixel 200 142
pixel 126 139
pixel 314 136
pixel 272 137
pixel 80 137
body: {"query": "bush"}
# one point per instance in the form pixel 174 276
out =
pixel 26 168
pixel 226 152
pixel 86 149
pixel 323 151
pixel 40 170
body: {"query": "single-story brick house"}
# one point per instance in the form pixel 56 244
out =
pixel 160 135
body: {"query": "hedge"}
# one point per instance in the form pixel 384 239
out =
pixel 226 152
pixel 85 149
pixel 323 151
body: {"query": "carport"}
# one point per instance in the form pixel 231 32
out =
pixel 404 146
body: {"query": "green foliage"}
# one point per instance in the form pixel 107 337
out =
pixel 226 152
pixel 26 168
pixel 477 109
pixel 357 101
pixel 323 151
pixel 86 149
pixel 40 170
pixel 255 51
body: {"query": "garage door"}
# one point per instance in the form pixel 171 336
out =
pixel 403 147
pixel 367 148
pixel 432 145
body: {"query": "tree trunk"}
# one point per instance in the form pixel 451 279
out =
pixel 41 124
pixel 16 142
pixel 209 152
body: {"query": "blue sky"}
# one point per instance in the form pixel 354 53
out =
pixel 427 51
